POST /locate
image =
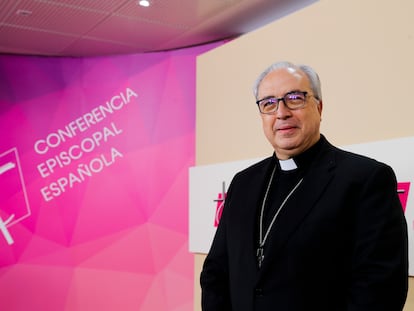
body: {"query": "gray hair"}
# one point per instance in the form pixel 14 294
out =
pixel 313 77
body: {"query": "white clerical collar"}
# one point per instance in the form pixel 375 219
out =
pixel 288 165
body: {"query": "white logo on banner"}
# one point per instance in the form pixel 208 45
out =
pixel 13 196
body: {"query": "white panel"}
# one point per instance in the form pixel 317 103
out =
pixel 206 182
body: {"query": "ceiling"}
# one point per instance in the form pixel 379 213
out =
pixel 107 27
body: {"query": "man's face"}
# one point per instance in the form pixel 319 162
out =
pixel 290 131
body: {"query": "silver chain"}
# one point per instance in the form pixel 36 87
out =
pixel 262 240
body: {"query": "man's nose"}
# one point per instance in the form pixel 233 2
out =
pixel 282 111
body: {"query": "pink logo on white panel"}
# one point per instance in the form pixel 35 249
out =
pixel 403 189
pixel 220 205
pixel 14 205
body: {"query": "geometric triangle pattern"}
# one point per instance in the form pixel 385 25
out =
pixel 94 158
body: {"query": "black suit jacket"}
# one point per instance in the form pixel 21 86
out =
pixel 340 243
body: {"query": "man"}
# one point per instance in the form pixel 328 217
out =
pixel 311 227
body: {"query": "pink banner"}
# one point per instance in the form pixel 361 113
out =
pixel 94 158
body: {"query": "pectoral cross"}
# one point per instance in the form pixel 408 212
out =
pixel 260 256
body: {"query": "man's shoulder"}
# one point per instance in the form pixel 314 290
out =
pixel 351 163
pixel 356 158
pixel 343 156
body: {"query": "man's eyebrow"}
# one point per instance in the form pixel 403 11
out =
pixel 294 91
pixel 267 97
pixel 273 96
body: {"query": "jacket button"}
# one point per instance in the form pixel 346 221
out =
pixel 258 292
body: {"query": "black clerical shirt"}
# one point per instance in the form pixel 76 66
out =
pixel 283 183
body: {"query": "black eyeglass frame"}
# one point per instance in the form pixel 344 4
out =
pixel 283 99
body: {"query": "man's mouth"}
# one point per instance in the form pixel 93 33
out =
pixel 285 128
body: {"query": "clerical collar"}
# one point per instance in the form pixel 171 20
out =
pixel 303 160
pixel 288 165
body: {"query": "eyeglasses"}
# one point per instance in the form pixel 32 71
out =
pixel 292 100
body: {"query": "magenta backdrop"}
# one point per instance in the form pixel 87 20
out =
pixel 94 158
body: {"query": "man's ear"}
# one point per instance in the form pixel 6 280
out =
pixel 320 106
